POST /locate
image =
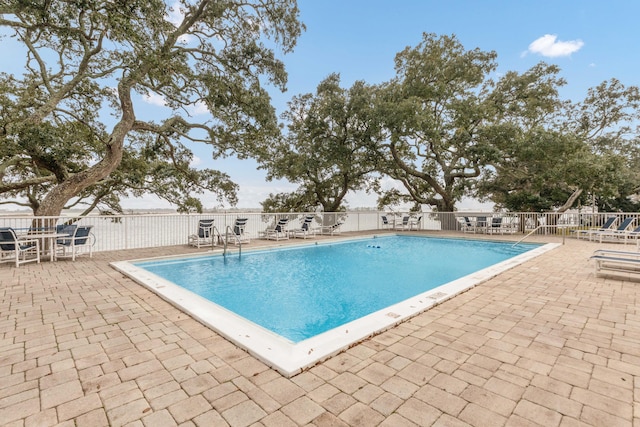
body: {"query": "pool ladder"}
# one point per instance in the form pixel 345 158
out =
pixel 226 240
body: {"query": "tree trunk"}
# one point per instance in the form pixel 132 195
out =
pixel 570 201
pixel 446 204
pixel 57 198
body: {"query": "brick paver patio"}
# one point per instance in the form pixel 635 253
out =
pixel 546 343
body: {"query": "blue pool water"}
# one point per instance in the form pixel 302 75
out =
pixel 301 292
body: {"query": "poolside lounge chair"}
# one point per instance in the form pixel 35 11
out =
pixel 630 235
pixel 17 250
pixel 386 223
pixel 495 226
pixel 467 226
pixel 415 223
pixel 612 233
pixel 481 224
pixel 606 226
pixel 238 236
pixel 404 224
pixel 205 236
pixel 305 229
pixel 331 229
pixel 621 234
pixel 80 241
pixel 279 231
pixel 616 261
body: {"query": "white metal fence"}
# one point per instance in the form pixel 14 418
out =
pixel 116 232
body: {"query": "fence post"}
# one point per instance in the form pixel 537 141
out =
pixel 126 231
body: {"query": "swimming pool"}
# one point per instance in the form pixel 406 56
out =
pixel 294 306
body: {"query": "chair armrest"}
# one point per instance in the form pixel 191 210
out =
pixel 29 242
pixel 26 239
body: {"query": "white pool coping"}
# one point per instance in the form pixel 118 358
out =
pixel 290 358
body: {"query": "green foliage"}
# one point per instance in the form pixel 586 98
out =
pixel 434 112
pixel 86 61
pixel 535 172
pixel 296 201
pixel 552 155
pixel 328 149
pixel 452 132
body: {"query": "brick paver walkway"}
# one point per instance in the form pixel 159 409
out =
pixel 546 343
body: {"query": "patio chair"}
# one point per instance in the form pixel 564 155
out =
pixel 279 231
pixel 67 229
pixel 616 234
pixel 467 226
pixel 616 261
pixel 415 223
pixel 606 226
pixel 305 229
pixel 78 243
pixel 481 224
pixel 331 229
pixel 496 225
pixel 204 236
pixel 17 250
pixel 404 224
pixel 238 235
pixel 386 224
pixel 632 235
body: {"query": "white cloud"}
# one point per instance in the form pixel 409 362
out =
pixel 549 46
pixel 154 99
pixel 174 13
pixel 197 109
pixel 195 161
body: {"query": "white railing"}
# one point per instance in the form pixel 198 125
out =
pixel 117 232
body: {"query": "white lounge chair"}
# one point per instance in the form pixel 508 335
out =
pixel 495 226
pixel 238 236
pixel 279 231
pixel 386 223
pixel 606 226
pixel 16 250
pixel 613 234
pixel 415 223
pixel 617 261
pixel 305 229
pixel 630 235
pixel 404 224
pixel 204 236
pixel 331 229
pixel 467 226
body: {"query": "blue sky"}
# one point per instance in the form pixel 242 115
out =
pixel 591 41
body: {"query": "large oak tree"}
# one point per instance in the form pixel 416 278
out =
pixel 435 111
pixel 68 120
pixel 328 149
pixel 553 155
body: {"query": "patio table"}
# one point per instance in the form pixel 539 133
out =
pixel 48 242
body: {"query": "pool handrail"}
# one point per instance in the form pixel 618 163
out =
pixel 226 241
